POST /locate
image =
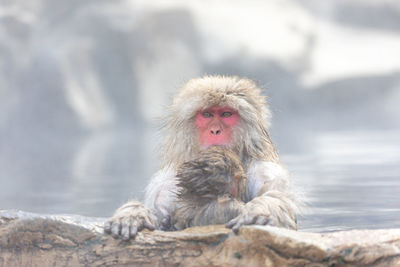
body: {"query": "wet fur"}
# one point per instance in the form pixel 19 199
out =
pixel 211 189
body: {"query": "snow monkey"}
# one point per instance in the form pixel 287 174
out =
pixel 211 189
pixel 206 112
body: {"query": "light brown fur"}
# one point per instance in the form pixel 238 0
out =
pixel 251 139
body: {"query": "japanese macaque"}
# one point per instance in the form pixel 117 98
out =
pixel 211 189
pixel 215 111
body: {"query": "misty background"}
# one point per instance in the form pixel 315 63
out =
pixel 82 83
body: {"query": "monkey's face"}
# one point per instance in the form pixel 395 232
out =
pixel 215 125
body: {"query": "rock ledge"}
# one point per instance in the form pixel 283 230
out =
pixel 28 239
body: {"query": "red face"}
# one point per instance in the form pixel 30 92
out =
pixel 215 125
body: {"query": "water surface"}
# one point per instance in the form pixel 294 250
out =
pixel 350 178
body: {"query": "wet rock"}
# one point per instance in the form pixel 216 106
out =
pixel 28 239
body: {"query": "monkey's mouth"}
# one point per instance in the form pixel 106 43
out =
pixel 217 140
pixel 207 146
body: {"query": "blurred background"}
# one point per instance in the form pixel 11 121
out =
pixel 82 83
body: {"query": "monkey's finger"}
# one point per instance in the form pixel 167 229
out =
pixel 133 230
pixel 232 222
pixel 237 226
pixel 133 227
pixel 262 220
pixel 165 223
pixel 249 220
pixel 243 220
pixel 107 227
pixel 270 222
pixel 116 229
pixel 237 223
pixel 125 232
pixel 149 226
pixel 125 223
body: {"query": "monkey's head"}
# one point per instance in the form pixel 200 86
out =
pixel 218 111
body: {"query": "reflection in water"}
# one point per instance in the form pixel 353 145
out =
pixel 90 175
pixel 351 180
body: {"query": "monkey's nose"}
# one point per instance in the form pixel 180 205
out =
pixel 217 132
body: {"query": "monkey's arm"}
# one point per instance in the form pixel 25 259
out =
pixel 129 219
pixel 160 196
pixel 271 199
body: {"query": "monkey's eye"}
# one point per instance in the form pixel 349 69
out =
pixel 226 114
pixel 207 114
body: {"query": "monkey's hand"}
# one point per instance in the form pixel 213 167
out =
pixel 254 212
pixel 272 208
pixel 129 219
